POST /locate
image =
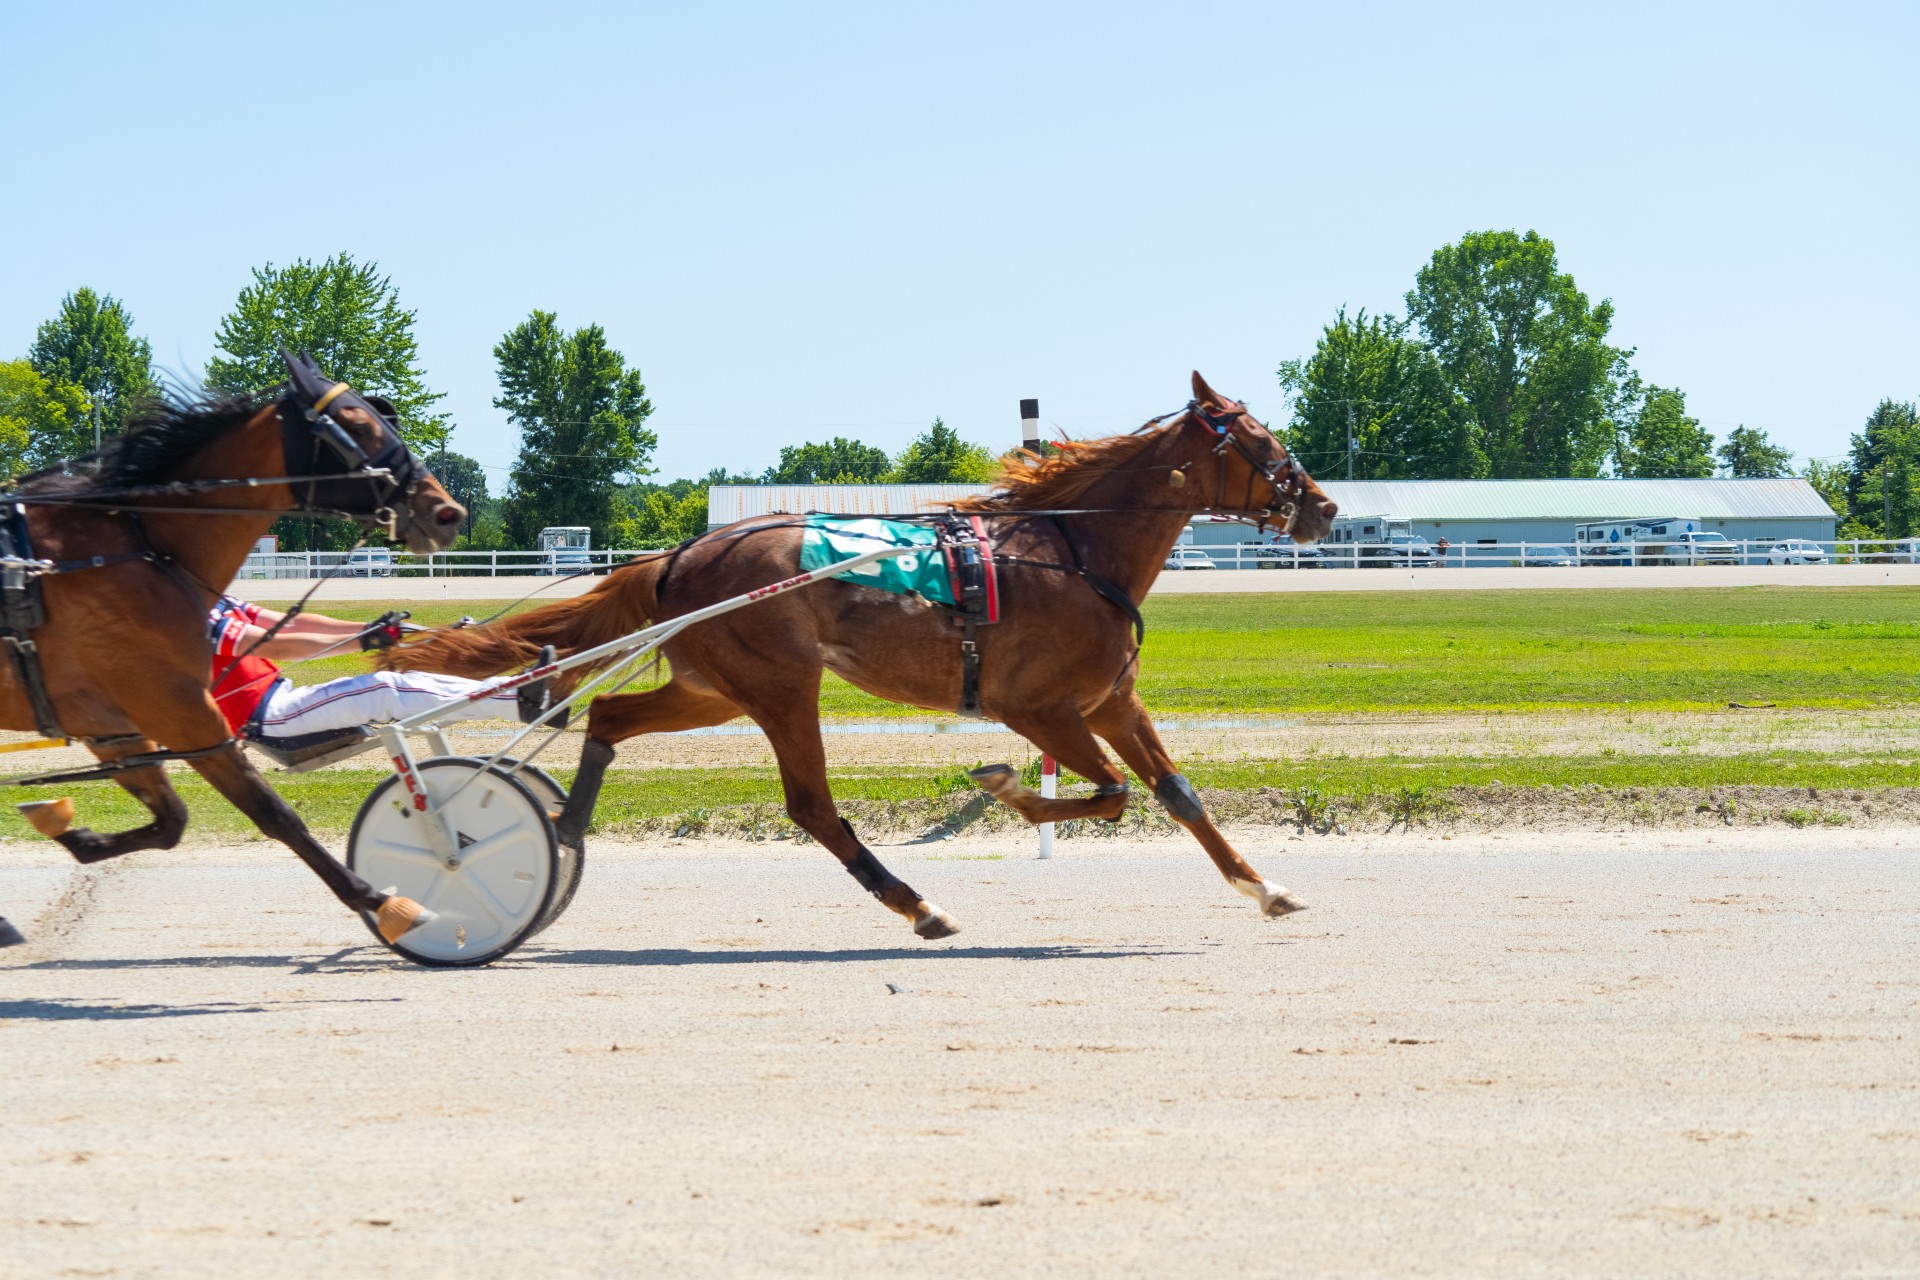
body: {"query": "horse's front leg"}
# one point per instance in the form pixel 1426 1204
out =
pixel 1123 721
pixel 1062 733
pixel 233 776
pixel 54 818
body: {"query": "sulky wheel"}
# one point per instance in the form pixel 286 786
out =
pixel 509 861
pixel 573 862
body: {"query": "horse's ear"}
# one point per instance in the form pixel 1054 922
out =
pixel 302 372
pixel 1205 394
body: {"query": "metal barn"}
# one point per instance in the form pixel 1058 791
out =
pixel 1465 512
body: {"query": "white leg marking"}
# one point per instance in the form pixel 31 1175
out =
pixel 1274 900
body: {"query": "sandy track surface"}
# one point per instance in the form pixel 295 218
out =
pixel 1490 1056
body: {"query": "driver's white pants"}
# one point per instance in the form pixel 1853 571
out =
pixel 376 698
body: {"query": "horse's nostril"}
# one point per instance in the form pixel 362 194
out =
pixel 449 513
pixel 1329 509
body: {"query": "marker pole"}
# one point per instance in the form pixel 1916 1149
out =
pixel 1049 787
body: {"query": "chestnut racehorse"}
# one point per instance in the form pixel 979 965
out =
pixel 1079 538
pixel 138 542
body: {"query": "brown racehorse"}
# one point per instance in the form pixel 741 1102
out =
pixel 124 647
pixel 1058 669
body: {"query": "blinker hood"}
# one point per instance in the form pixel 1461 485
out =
pixel 321 394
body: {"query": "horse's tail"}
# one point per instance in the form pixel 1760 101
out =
pixel 627 601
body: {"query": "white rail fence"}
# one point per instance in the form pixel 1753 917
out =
pixel 1497 555
pixel 1248 555
pixel 381 563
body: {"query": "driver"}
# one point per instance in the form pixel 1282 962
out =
pixel 259 702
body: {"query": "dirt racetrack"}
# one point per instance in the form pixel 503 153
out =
pixel 1520 1055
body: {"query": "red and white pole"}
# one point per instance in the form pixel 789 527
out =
pixel 1049 787
pixel 1049 767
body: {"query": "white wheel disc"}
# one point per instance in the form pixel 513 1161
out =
pixel 550 793
pixel 496 896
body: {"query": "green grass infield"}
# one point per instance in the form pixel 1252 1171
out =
pixel 1439 651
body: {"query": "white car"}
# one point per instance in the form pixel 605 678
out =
pixel 370 562
pixel 1189 558
pixel 1796 551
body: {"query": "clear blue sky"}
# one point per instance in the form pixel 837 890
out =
pixel 816 219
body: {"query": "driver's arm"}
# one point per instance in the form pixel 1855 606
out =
pixel 308 636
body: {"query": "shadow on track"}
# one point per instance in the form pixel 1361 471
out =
pixel 57 1010
pixel 528 957
pixel 80 1011
pixel 369 959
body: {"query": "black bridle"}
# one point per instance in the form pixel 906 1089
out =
pixel 336 469
pixel 327 472
pixel 1284 475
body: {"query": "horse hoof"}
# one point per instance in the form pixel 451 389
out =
pixel 10 936
pixel 935 924
pixel 995 778
pixel 50 818
pixel 1274 901
pixel 397 917
pixel 1277 902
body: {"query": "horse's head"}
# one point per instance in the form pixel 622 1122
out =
pixel 348 448
pixel 1253 470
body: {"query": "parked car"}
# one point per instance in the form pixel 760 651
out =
pixel 369 562
pixel 1284 553
pixel 1189 558
pixel 1796 551
pixel 1548 557
pixel 1400 551
pixel 1701 547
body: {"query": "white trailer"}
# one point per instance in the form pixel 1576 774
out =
pixel 1627 542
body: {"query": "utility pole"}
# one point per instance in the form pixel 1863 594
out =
pixel 1353 442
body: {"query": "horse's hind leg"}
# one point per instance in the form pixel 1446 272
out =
pixel 681 703
pixel 1062 734
pixel 792 724
pixel 54 818
pixel 1123 721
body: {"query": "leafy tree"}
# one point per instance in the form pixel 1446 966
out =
pixel 1829 480
pixel 90 345
pixel 664 519
pixel 1663 442
pixel 1747 454
pixel 940 456
pixel 1366 375
pixel 42 420
pixel 1887 447
pixel 839 461
pixel 1525 351
pixel 349 316
pixel 582 417
pixel 664 515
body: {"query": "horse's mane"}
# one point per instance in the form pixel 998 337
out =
pixel 1028 481
pixel 161 436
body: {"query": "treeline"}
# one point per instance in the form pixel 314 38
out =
pixel 1502 368
pixel 585 451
